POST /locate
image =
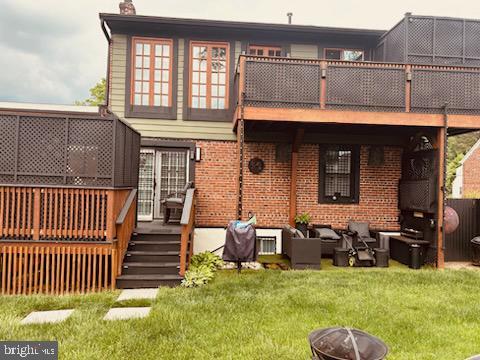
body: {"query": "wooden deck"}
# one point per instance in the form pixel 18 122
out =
pixel 157 227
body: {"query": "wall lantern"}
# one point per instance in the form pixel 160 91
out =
pixel 198 154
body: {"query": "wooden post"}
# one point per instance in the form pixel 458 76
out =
pixel 293 175
pixel 36 213
pixel 240 145
pixel 323 84
pixel 440 198
pixel 408 88
pixel 111 216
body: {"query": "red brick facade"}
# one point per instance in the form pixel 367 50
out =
pixel 267 194
pixel 471 175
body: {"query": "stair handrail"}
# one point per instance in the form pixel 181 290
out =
pixel 187 222
pixel 126 206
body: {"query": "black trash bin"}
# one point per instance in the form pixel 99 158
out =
pixel 338 343
pixel 476 250
pixel 340 257
pixel 381 257
pixel 415 256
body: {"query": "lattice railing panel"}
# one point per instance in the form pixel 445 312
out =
pixel 282 84
pixel 432 89
pixel 350 86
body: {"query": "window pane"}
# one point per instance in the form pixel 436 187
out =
pixel 165 88
pixel 146 74
pixel 166 63
pixel 253 52
pixel 196 51
pixel 215 52
pixel 203 78
pixel 214 90
pixel 203 103
pixel 138 86
pixel 271 52
pixel 157 100
pixel 139 48
pixel 195 102
pixel 158 73
pixel 196 77
pixel 138 61
pixel 137 100
pixel 214 78
pixel 158 63
pixel 278 53
pixel 195 90
pixel 196 65
pixel 221 79
pixel 146 49
pixel 145 100
pixel 260 52
pixel 138 74
pixel 221 103
pixel 145 87
pixel 203 65
pixel 146 62
pixel 223 53
pixel 165 75
pixel 166 50
pixel 214 103
pixel 333 54
pixel 221 91
pixel 158 50
pixel 352 55
pixel 203 90
pixel 165 100
pixel 157 88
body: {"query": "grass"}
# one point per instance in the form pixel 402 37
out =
pixel 423 314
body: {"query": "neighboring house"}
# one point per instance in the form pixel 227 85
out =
pixel 467 180
pixel 265 119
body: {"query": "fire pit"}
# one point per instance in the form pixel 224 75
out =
pixel 338 343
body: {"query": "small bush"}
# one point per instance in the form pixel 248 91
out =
pixel 208 259
pixel 202 269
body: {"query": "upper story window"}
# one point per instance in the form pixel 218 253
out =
pixel 151 73
pixel 344 54
pixel 209 74
pixel 260 50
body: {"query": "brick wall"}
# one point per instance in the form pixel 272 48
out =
pixel 471 175
pixel 215 180
pixel 267 194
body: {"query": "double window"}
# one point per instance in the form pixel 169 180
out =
pixel 152 72
pixel 209 74
pixel 344 54
pixel 339 174
pixel 259 50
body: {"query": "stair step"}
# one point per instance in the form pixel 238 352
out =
pixel 156 237
pixel 154 245
pixel 140 268
pixel 147 281
pixel 152 256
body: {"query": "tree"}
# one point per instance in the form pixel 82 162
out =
pixel 97 95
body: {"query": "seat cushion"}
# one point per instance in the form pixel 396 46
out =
pixel 367 239
pixel 173 201
pixel 325 233
pixel 361 228
pixel 299 234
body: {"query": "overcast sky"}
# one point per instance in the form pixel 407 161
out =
pixel 53 51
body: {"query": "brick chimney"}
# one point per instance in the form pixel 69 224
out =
pixel 127 8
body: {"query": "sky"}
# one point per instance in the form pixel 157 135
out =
pixel 53 51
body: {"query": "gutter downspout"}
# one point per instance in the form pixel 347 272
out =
pixel 444 169
pixel 107 85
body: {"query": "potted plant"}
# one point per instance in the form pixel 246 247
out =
pixel 302 221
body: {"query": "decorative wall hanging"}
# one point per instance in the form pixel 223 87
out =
pixel 256 165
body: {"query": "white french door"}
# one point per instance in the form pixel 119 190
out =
pixel 146 181
pixel 171 175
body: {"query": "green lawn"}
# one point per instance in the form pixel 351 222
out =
pixel 424 314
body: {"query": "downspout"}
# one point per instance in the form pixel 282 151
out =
pixel 107 85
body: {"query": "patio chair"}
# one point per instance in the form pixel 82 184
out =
pixel 360 232
pixel 174 201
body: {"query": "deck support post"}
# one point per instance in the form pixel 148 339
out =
pixel 293 175
pixel 240 155
pixel 441 150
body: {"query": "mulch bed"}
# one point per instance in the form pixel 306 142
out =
pixel 275 266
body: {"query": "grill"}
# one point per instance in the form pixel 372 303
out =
pixel 339 343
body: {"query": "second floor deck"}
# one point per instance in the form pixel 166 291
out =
pixel 304 90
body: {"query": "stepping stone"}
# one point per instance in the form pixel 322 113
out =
pixel 127 313
pixel 129 294
pixel 44 317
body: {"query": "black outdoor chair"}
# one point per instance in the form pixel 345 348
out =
pixel 174 201
pixel 361 233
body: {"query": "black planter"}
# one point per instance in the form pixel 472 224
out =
pixel 303 228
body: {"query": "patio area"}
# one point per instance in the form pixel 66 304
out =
pixel 425 314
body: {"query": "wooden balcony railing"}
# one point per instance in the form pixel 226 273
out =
pixel 363 86
pixel 188 223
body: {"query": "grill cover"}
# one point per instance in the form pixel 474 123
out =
pixel 240 243
pixel 339 343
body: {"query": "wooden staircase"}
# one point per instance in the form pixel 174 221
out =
pixel 152 259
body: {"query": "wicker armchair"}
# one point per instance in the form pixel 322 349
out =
pixel 174 201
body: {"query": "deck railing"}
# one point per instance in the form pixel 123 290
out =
pixel 364 86
pixel 187 223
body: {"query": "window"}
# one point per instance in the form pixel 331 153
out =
pixel 151 73
pixel 209 72
pixel 344 54
pixel 268 245
pixel 260 50
pixel 339 174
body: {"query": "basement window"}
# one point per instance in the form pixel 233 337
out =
pixel 268 245
pixel 339 175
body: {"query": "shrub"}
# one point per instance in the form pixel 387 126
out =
pixel 202 269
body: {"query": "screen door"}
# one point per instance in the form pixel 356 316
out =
pixel 146 185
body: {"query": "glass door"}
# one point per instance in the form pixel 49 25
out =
pixel 146 185
pixel 170 177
